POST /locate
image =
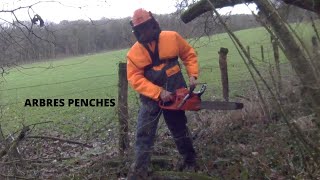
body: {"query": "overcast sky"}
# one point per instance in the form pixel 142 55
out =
pixel 58 10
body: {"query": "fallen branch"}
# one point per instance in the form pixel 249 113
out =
pixel 37 160
pixel 62 140
pixel 243 97
pixel 15 143
pixel 33 126
pixel 13 177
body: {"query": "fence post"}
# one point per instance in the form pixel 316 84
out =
pixel 224 72
pixel 123 109
pixel 262 53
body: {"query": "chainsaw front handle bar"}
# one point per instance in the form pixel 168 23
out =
pixel 203 88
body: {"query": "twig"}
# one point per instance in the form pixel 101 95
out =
pixel 28 126
pixel 314 27
pixel 243 97
pixel 62 140
pixel 25 160
pixel 38 160
pixel 14 177
pixel 39 123
pixel 2 139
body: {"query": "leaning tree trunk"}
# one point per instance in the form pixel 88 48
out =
pixel 300 63
pixel 202 6
pixel 296 56
pixel 311 5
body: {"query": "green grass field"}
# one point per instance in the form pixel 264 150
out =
pixel 96 76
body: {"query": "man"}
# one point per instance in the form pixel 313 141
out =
pixel 154 72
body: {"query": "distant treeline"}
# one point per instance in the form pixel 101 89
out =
pixel 19 44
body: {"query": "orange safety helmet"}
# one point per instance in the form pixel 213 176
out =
pixel 141 21
pixel 140 16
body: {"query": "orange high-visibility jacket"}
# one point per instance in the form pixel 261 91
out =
pixel 171 45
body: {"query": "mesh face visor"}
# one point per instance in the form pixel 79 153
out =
pixel 147 31
pixel 146 25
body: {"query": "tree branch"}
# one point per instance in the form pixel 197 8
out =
pixel 62 140
pixel 13 177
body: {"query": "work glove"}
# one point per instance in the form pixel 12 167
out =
pixel 166 96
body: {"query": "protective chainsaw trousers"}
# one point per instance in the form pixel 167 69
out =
pixel 148 119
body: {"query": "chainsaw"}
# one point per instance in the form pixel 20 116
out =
pixel 186 99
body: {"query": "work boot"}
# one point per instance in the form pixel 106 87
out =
pixel 137 174
pixel 188 166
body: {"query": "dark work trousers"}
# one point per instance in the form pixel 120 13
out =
pixel 148 119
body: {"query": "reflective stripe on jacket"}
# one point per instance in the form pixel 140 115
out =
pixel 171 45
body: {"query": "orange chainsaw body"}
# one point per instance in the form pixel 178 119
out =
pixel 192 104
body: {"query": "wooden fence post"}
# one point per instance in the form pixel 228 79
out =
pixel 224 72
pixel 262 53
pixel 123 109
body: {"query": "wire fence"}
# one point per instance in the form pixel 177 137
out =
pixel 56 83
pixel 104 86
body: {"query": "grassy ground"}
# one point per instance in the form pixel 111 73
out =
pixel 230 145
pixel 86 77
pixel 96 76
